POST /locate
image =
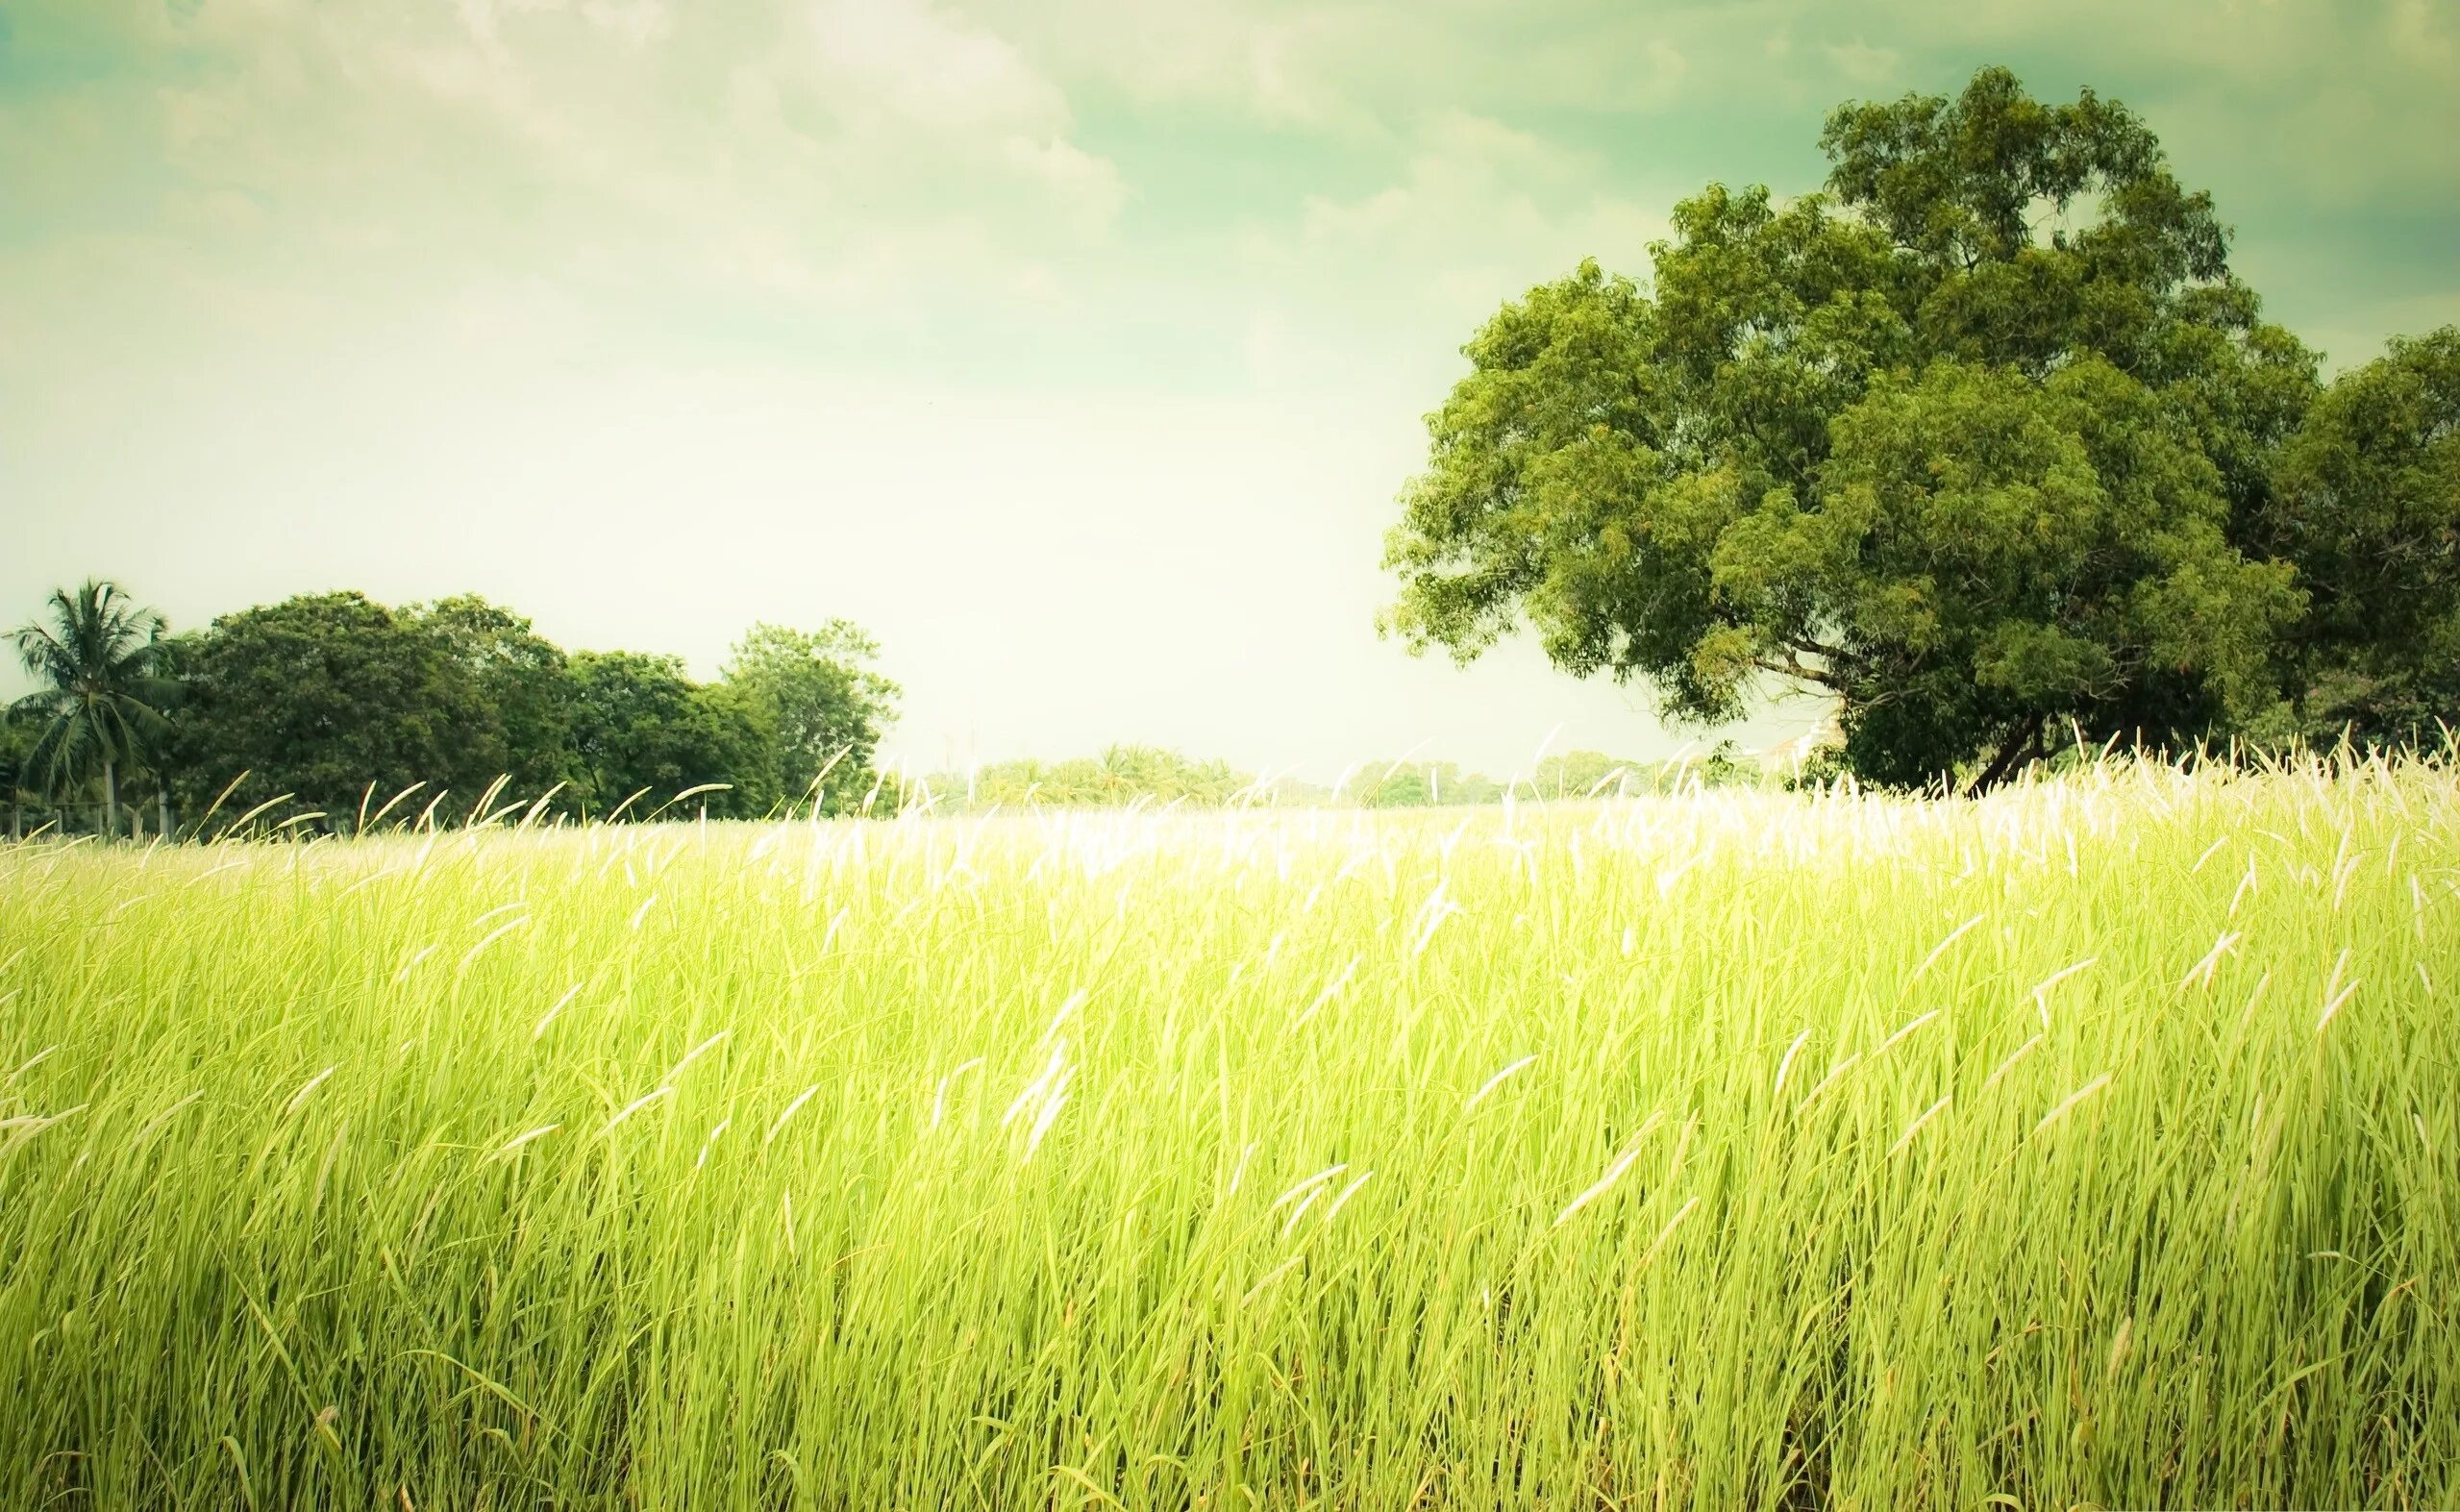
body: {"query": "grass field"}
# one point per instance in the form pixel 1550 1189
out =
pixel 2093 1143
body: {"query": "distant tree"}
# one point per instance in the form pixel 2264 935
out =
pixel 828 709
pixel 641 727
pixel 1126 773
pixel 326 696
pixel 520 676
pixel 2368 504
pixel 1397 787
pixel 100 706
pixel 1119 776
pixel 1416 785
pixel 1976 444
pixel 1584 773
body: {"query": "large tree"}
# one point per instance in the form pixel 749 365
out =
pixel 643 732
pixel 328 697
pixel 816 689
pixel 99 661
pixel 1978 443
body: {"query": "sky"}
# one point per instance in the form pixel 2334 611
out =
pixel 1076 348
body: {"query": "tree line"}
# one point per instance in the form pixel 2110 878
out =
pixel 350 714
pixel 345 715
pixel 1131 776
pixel 1986 443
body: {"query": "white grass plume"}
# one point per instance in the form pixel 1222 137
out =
pixel 710 1143
pixel 1347 1192
pixel 1601 1185
pixel 791 1109
pixel 1050 1112
pixel 1307 1186
pixel 1941 948
pixel 1915 1128
pixel 1786 1063
pixel 2073 1098
pixel 2334 994
pixel 634 1106
pixel 1917 1023
pixel 2041 988
pixel 312 1084
pixel 693 1054
pixel 569 994
pixel 939 1094
pixel 518 1141
pixel 1494 1081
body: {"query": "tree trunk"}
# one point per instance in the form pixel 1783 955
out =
pixel 162 811
pixel 2021 745
pixel 111 800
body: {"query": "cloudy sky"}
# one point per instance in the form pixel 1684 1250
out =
pixel 1076 347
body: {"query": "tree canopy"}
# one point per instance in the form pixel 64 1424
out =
pixel 816 690
pixel 522 679
pixel 327 695
pixel 1986 442
pixel 644 731
pixel 2368 504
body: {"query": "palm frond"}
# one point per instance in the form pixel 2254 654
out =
pixel 100 658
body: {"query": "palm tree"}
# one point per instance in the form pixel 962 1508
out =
pixel 100 659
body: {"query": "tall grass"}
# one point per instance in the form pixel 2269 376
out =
pixel 2092 1142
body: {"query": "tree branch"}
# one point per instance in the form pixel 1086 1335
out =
pixel 1792 667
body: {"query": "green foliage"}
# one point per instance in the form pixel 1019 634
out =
pixel 2091 1146
pixel 1399 788
pixel 520 676
pixel 1585 774
pixel 1121 776
pixel 643 732
pixel 99 662
pixel 14 741
pixel 1416 785
pixel 342 703
pixel 816 689
pixel 1977 443
pixel 330 698
pixel 2369 504
pixel 1990 552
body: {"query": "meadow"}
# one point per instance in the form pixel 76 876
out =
pixel 2092 1142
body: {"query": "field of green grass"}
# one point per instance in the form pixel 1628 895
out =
pixel 2094 1142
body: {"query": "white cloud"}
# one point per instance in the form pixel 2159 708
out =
pixel 1862 62
pixel 637 22
pixel 844 150
pixel 1480 211
pixel 1359 70
pixel 911 58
